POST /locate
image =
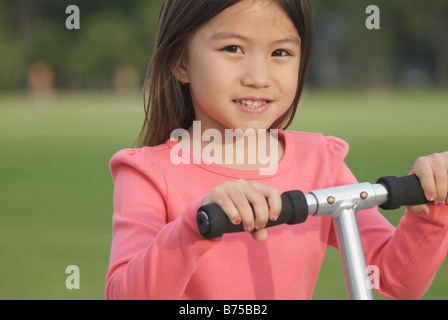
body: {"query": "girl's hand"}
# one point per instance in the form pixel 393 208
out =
pixel 237 198
pixel 433 174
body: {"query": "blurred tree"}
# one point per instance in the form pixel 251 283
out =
pixel 104 44
pixel 112 34
pixel 409 49
pixel 421 37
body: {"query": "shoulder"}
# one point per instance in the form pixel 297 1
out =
pixel 318 142
pixel 321 155
pixel 144 160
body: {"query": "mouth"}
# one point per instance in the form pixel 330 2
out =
pixel 252 105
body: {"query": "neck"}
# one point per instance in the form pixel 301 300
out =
pixel 236 149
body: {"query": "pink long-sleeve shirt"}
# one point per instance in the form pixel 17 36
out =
pixel 158 253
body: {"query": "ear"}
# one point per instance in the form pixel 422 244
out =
pixel 180 72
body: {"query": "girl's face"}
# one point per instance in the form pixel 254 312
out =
pixel 243 66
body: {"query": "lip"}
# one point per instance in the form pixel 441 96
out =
pixel 247 109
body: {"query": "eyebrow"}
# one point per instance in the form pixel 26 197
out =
pixel 229 35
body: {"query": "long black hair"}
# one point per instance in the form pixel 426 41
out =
pixel 168 105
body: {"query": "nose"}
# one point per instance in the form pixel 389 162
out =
pixel 256 73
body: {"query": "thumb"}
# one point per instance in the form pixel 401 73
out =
pixel 419 209
pixel 260 235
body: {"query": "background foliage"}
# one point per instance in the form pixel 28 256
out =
pixel 410 49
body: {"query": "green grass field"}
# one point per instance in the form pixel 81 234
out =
pixel 56 189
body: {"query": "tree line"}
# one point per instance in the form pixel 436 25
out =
pixel 114 43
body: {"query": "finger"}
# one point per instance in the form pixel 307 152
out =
pixel 273 198
pixel 243 207
pixel 260 235
pixel 260 209
pixel 419 209
pixel 220 197
pixel 275 204
pixel 229 209
pixel 433 174
pixel 423 170
pixel 441 181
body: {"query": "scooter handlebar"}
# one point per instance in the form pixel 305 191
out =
pixel 213 222
pixel 404 191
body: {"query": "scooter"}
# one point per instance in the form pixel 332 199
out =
pixel 341 203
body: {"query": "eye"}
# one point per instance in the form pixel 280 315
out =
pixel 280 53
pixel 233 49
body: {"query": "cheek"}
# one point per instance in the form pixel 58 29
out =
pixel 203 75
pixel 288 84
pixel 210 82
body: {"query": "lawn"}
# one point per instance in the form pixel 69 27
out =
pixel 56 189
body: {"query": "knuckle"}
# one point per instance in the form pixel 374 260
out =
pixel 217 193
pixel 254 183
pixel 422 159
pixel 226 184
pixel 241 182
pixel 438 156
pixel 276 193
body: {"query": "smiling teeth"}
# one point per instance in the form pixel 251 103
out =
pixel 252 104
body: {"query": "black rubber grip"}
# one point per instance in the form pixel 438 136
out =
pixel 402 191
pixel 213 222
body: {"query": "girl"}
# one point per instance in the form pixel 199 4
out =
pixel 225 65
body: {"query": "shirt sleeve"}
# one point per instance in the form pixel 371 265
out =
pixel 150 258
pixel 407 256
